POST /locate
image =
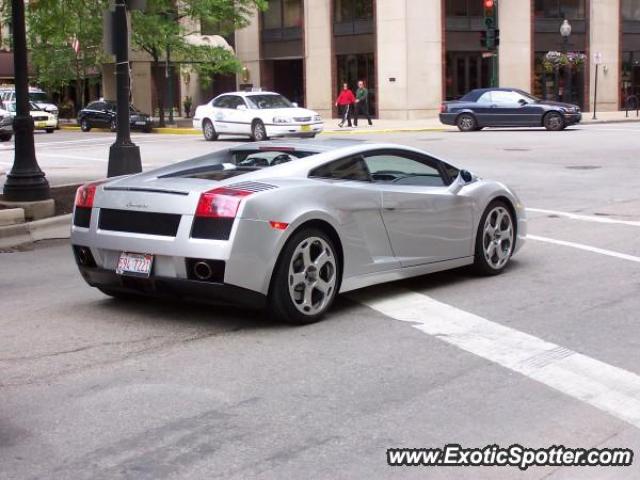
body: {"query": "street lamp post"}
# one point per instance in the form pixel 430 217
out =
pixel 565 32
pixel 25 181
pixel 124 155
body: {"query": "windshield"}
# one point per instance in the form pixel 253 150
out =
pixel 39 97
pixel 11 107
pixel 264 102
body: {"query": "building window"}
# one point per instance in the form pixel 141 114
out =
pixel 347 11
pixel 630 10
pixel 570 9
pixel 463 8
pixel 283 14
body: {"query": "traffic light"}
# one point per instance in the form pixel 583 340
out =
pixel 489 38
pixel 489 14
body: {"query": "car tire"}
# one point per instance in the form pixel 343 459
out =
pixel 466 122
pixel 209 131
pixel 553 122
pixel 306 278
pixel 85 126
pixel 310 135
pixel 495 239
pixel 113 126
pixel 258 131
pixel 50 130
pixel 5 138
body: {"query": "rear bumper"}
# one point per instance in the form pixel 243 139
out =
pixel 176 288
pixel 448 118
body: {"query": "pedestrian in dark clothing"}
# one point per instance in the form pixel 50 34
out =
pixel 362 103
pixel 345 103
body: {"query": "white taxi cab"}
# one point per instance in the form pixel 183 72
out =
pixel 259 115
pixel 42 120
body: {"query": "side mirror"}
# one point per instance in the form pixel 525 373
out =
pixel 295 104
pixel 464 178
pixel 522 102
pixel 241 107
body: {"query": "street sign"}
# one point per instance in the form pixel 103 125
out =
pixel 597 58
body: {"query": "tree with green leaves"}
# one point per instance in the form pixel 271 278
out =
pixel 65 41
pixel 164 28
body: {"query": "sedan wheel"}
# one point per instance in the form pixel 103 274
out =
pixel 84 125
pixel 553 121
pixel 496 239
pixel 258 131
pixel 209 131
pixel 466 123
pixel 306 279
pixel 113 126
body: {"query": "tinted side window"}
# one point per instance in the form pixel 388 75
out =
pixel 485 98
pixel 221 102
pixel 404 169
pixel 235 101
pixel 350 168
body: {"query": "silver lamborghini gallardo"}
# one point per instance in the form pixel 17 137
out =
pixel 288 225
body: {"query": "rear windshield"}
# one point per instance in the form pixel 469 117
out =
pixel 242 161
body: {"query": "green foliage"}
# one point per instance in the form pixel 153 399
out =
pixel 52 27
pixel 166 25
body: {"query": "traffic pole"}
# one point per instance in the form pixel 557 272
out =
pixel 124 155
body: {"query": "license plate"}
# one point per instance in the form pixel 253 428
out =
pixel 41 124
pixel 134 264
pixel 305 128
pixel 141 123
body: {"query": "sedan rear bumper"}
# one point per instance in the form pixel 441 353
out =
pixel 448 118
pixel 176 288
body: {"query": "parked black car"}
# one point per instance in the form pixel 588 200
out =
pixel 6 126
pixel 102 114
pixel 507 107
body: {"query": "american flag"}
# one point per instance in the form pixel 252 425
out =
pixel 75 44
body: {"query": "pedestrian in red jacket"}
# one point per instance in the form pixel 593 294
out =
pixel 345 102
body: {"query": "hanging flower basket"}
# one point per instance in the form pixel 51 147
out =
pixel 553 60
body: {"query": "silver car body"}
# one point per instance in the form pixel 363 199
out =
pixel 386 232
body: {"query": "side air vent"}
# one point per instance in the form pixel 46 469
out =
pixel 253 187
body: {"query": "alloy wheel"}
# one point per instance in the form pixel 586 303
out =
pixel 497 238
pixel 259 132
pixel 312 276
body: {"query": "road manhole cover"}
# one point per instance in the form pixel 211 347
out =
pixel 516 149
pixel 583 167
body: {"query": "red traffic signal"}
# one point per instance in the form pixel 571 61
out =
pixel 488 3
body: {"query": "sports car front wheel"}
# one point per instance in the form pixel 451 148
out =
pixel 306 278
pixel 495 239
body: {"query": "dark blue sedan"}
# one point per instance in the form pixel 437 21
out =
pixel 507 107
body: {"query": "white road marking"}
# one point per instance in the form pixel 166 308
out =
pixel 608 388
pixel 588 248
pixel 70 157
pixel 585 218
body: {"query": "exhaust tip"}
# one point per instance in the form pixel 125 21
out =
pixel 202 271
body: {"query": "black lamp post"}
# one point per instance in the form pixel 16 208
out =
pixel 124 155
pixel 565 32
pixel 25 182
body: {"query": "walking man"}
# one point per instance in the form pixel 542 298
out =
pixel 345 102
pixel 362 103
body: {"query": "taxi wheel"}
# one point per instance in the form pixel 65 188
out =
pixel 209 131
pixel 50 130
pixel 258 131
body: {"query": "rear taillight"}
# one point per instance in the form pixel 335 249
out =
pixel 86 194
pixel 443 108
pixel 220 203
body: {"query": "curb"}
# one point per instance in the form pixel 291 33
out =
pixel 46 229
pixel 383 130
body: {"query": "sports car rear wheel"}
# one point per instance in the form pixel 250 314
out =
pixel 495 239
pixel 306 279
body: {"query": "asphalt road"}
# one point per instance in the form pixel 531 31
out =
pixel 545 354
